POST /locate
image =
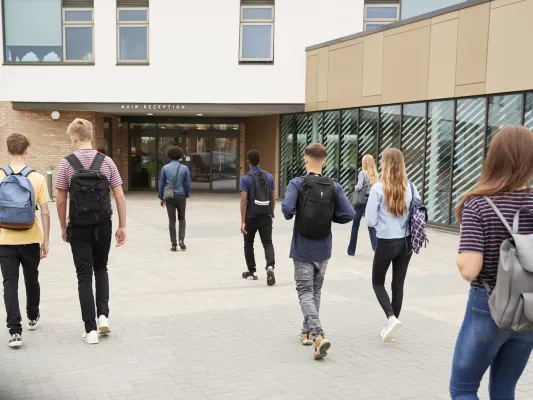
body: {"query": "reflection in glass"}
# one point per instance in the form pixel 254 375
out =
pixel 317 127
pixel 368 133
pixel 78 16
pixel 33 31
pixel 413 141
pixel 142 125
pixel 389 135
pixel 133 15
pixel 79 43
pixel 133 43
pixel 438 161
pixel 469 148
pixel 226 127
pixel 256 42
pixel 528 116
pixel 286 152
pixel 198 159
pixel 303 135
pixel 348 173
pixel 331 141
pixel 503 110
pixel 143 159
pixel 256 13
pixel 381 12
pixel 224 167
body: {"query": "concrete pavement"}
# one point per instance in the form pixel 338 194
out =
pixel 186 325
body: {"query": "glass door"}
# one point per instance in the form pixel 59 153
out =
pixel 224 167
pixel 198 159
pixel 143 156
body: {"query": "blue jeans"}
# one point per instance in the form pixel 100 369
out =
pixel 359 212
pixel 480 345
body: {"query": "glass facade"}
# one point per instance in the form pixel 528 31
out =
pixel 444 143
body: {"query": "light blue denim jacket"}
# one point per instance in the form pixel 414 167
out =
pixel 377 214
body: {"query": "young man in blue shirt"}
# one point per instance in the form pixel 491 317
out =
pixel 175 172
pixel 253 222
pixel 311 255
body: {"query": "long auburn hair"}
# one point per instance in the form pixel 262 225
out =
pixel 369 168
pixel 507 167
pixel 394 179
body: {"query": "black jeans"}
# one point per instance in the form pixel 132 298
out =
pixel 359 212
pixel 387 251
pixel 264 226
pixel 11 257
pixel 90 249
pixel 177 204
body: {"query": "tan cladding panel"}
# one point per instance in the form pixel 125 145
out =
pixel 405 66
pixel 472 43
pixel 345 77
pixel 373 65
pixel 510 58
pixel 311 82
pixel 323 65
pixel 442 60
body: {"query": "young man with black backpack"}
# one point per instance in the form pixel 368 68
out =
pixel 316 201
pixel 22 191
pixel 257 212
pixel 87 176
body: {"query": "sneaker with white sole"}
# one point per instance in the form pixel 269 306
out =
pixel 306 338
pixel 383 334
pixel 32 323
pixel 390 330
pixel 271 278
pixel 15 341
pixel 103 325
pixel 91 337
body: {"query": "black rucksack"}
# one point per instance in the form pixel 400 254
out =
pixel 260 196
pixel 316 207
pixel 90 202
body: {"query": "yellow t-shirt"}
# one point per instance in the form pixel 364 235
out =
pixel 34 234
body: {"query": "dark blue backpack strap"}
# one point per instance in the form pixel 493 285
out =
pixel 74 162
pixel 26 171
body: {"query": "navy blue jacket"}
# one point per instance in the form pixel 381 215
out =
pixel 313 250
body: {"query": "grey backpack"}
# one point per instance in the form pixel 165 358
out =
pixel 511 300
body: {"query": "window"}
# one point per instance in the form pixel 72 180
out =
pixel 413 8
pixel 108 137
pixel 132 31
pixel 378 14
pixel 48 31
pixel 78 35
pixel 257 31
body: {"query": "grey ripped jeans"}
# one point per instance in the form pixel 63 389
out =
pixel 309 277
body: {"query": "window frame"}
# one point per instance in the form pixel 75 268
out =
pixel 257 22
pixel 369 19
pixel 133 24
pixel 76 24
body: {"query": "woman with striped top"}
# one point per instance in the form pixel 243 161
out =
pixel 505 178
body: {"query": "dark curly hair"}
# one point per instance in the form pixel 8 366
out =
pixel 253 157
pixel 175 153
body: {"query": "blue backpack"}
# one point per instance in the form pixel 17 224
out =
pixel 17 200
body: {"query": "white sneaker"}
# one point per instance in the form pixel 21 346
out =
pixel 346 254
pixel 91 337
pixel 390 330
pixel 103 325
pixel 383 334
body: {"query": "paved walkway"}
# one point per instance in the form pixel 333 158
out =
pixel 187 326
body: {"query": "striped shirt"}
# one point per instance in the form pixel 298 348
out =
pixel 483 232
pixel 86 157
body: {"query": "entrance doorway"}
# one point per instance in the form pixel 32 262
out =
pixel 211 156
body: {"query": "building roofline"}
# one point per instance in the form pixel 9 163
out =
pixel 436 13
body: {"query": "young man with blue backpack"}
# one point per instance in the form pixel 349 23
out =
pixel 316 201
pixel 22 191
pixel 257 213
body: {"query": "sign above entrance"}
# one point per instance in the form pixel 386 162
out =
pixel 152 107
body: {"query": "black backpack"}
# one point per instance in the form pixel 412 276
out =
pixel 316 207
pixel 90 202
pixel 260 196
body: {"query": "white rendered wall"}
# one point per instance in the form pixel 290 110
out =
pixel 194 48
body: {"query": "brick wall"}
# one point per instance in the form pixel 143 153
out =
pixel 50 143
